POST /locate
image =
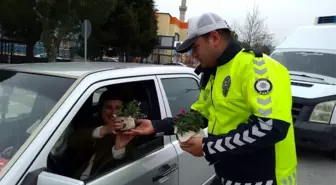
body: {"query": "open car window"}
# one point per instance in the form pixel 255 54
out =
pixel 80 155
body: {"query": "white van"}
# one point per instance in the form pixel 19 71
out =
pixel 309 53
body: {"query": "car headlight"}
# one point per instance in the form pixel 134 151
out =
pixel 323 112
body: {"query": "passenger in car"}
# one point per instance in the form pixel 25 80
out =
pixel 98 143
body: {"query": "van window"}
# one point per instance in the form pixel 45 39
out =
pixel 310 62
pixel 81 154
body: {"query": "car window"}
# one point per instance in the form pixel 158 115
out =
pixel 82 153
pixel 181 92
pixel 25 100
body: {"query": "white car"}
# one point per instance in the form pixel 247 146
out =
pixel 309 53
pixel 175 64
pixel 42 104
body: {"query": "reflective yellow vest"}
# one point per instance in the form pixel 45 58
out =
pixel 249 85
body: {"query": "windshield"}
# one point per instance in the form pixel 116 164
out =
pixel 25 99
pixel 310 62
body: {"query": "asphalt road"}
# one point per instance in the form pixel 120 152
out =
pixel 315 168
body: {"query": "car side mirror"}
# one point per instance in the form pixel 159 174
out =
pixel 41 177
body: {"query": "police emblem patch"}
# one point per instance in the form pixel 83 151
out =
pixel 226 85
pixel 263 86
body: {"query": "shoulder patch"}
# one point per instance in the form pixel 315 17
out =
pixel 263 86
pixel 226 85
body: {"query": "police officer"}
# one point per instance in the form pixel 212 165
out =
pixel 246 98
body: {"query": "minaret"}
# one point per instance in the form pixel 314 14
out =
pixel 183 9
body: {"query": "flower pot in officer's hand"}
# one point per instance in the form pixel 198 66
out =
pixel 187 135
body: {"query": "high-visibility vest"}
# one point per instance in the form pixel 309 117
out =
pixel 245 86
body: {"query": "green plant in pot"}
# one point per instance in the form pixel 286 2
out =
pixel 188 124
pixel 129 112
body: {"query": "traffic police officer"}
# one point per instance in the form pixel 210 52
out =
pixel 246 98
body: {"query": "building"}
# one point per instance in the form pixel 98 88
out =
pixel 170 30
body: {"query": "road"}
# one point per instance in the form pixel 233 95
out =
pixel 315 168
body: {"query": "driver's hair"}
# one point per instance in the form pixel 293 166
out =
pixel 109 94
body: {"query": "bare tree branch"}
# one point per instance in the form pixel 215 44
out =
pixel 254 32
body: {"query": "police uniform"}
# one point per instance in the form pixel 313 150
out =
pixel 247 102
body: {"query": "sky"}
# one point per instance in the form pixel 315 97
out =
pixel 282 16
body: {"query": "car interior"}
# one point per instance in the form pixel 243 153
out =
pixel 143 92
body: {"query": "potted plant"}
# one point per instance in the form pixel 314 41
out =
pixel 188 124
pixel 129 112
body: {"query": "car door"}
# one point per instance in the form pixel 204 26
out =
pixel 180 92
pixel 159 166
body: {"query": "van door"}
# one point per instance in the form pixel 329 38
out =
pixel 180 92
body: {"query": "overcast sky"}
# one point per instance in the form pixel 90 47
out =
pixel 283 16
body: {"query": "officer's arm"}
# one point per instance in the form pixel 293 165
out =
pixel 266 125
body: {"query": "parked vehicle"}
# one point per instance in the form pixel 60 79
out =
pixel 42 103
pixel 309 53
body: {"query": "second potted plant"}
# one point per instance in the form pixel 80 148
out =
pixel 188 124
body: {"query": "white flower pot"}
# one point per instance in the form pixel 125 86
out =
pixel 187 135
pixel 129 123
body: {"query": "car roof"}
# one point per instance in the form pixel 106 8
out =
pixel 321 37
pixel 80 69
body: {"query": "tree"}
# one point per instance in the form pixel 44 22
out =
pixel 58 20
pixel 148 27
pixel 254 32
pixel 129 30
pixel 97 12
pixel 234 35
pixel 62 19
pixel 19 22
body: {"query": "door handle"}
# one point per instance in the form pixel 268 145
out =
pixel 164 171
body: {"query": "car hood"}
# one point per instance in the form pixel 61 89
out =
pixel 310 90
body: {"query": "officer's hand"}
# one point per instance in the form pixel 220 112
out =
pixel 144 127
pixel 193 146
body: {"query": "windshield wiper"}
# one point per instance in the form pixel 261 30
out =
pixel 303 75
pixel 312 77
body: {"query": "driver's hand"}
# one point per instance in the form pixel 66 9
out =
pixel 112 127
